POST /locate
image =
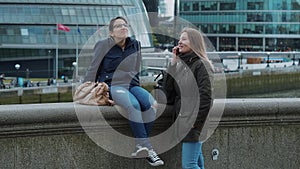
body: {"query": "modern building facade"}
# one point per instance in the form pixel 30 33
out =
pixel 246 25
pixel 29 35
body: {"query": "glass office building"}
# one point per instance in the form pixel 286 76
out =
pixel 28 31
pixel 246 25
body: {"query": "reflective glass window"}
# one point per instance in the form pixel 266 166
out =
pixel 74 19
pixel 57 11
pixel 227 44
pixel 186 6
pixel 227 6
pixel 207 6
pixel 92 12
pixel 27 10
pixel 255 5
pixel 250 44
pixel 67 19
pixel 195 6
pixel 70 40
pixel 35 11
pixel 72 12
pixel 65 11
pixel 12 10
pixel 295 5
pixel 20 10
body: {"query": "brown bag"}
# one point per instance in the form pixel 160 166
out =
pixel 93 93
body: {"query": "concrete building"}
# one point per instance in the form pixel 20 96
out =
pixel 246 25
pixel 29 35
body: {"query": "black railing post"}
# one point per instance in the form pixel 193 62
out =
pixel 239 61
pixel 268 59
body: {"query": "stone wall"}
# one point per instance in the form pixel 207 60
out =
pixel 261 82
pixel 253 133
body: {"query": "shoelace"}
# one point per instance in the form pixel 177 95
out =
pixel 153 155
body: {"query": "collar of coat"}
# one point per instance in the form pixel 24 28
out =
pixel 189 57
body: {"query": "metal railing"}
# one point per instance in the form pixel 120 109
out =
pixel 237 60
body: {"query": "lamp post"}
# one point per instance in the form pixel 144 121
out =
pixel 176 10
pixel 17 66
pixel 268 59
pixel 49 54
pixel 76 70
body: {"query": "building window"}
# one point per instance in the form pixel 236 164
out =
pixel 186 7
pixel 282 44
pixel 255 17
pixel 72 12
pixel 250 44
pixel 231 28
pixel 209 6
pixel 227 44
pixel 228 6
pixel 64 11
pixel 255 5
pixel 195 6
pixel 295 5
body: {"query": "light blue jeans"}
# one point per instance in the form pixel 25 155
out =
pixel 138 102
pixel 192 157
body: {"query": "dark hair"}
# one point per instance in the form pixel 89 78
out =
pixel 112 21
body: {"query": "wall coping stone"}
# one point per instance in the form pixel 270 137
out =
pixel 58 118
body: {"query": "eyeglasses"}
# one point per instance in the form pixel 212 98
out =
pixel 121 25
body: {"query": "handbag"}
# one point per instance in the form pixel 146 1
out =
pixel 93 93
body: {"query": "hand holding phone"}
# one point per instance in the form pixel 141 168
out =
pixel 175 55
pixel 176 50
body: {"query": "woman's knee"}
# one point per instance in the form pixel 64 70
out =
pixel 143 96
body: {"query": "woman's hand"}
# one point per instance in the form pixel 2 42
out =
pixel 175 55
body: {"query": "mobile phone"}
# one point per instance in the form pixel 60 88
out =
pixel 177 51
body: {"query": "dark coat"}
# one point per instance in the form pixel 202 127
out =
pixel 179 88
pixel 112 64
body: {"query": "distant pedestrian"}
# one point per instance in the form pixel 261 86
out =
pixel 2 78
pixel 49 82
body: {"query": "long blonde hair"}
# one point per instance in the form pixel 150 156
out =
pixel 197 42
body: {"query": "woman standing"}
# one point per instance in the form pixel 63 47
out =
pixel 190 54
pixel 117 62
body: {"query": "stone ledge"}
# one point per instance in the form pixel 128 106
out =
pixel 57 118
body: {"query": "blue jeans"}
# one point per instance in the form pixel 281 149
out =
pixel 192 157
pixel 138 102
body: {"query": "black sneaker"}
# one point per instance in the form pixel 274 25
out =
pixel 153 159
pixel 140 151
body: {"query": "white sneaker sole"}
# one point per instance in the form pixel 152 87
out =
pixel 141 153
pixel 156 164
